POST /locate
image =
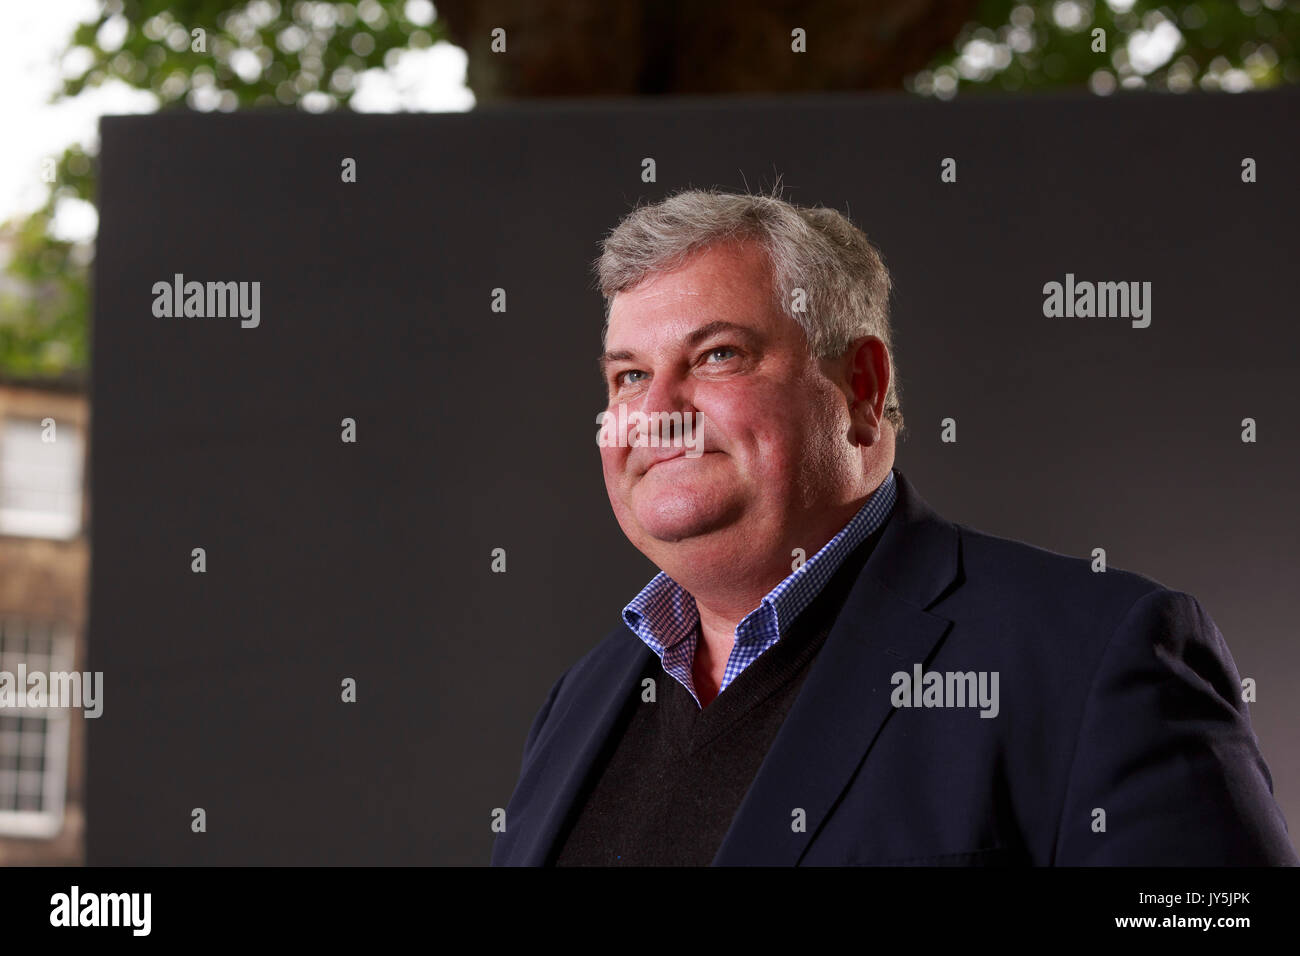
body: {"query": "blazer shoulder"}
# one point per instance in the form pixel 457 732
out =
pixel 1082 587
pixel 613 654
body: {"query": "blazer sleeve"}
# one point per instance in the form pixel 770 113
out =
pixel 1166 750
pixel 503 844
pixel 540 719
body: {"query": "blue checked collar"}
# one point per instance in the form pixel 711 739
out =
pixel 664 615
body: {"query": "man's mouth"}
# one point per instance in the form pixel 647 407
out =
pixel 679 456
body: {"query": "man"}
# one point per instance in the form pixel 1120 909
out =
pixel 826 672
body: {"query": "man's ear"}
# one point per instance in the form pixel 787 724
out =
pixel 868 371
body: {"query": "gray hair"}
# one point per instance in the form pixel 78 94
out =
pixel 815 249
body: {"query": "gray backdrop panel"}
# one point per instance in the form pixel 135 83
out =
pixel 476 429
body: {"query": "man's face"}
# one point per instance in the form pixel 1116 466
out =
pixel 709 338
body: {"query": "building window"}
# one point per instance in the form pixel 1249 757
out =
pixel 33 741
pixel 40 481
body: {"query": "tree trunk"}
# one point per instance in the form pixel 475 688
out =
pixel 647 47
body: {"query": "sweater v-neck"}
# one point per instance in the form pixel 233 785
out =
pixel 693 728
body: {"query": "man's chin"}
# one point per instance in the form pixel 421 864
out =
pixel 676 533
pixel 672 525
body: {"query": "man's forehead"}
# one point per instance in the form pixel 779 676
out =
pixel 668 297
pixel 716 270
pixel 673 306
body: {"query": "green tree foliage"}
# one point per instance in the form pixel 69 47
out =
pixel 1229 45
pixel 43 328
pixel 215 54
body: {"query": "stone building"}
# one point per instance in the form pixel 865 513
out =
pixel 44 568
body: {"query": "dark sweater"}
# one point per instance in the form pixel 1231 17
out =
pixel 669 781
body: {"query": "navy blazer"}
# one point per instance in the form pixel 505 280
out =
pixel 1120 737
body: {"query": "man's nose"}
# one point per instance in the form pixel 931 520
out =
pixel 665 394
pixel 668 392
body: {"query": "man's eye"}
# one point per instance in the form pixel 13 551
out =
pixel 622 377
pixel 727 352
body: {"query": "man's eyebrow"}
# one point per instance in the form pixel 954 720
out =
pixel 714 328
pixel 621 355
pixel 694 338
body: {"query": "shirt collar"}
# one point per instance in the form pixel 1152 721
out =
pixel 664 613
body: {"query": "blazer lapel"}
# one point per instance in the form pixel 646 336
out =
pixel 845 700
